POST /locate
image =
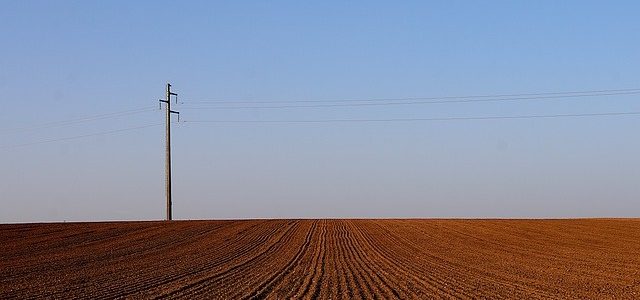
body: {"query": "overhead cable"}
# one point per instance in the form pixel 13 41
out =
pixel 80 120
pixel 440 101
pixel 81 136
pixel 418 119
pixel 603 91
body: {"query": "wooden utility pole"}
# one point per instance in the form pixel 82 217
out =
pixel 168 149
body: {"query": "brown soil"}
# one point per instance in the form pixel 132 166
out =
pixel 421 259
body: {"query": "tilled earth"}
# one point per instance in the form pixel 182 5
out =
pixel 328 259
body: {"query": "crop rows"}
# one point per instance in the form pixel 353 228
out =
pixel 327 259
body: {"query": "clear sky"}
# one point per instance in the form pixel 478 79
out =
pixel 64 60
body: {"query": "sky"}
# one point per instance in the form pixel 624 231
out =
pixel 63 63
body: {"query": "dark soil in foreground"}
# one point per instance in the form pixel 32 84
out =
pixel 328 259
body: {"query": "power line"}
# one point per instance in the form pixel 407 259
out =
pixel 414 102
pixel 418 119
pixel 606 91
pixel 81 120
pixel 81 136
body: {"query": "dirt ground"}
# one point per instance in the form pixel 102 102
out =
pixel 328 259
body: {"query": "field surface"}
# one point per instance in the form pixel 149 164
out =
pixel 328 259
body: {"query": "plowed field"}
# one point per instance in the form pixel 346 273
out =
pixel 422 259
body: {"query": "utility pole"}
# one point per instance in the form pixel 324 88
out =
pixel 168 148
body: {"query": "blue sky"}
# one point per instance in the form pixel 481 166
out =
pixel 63 60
